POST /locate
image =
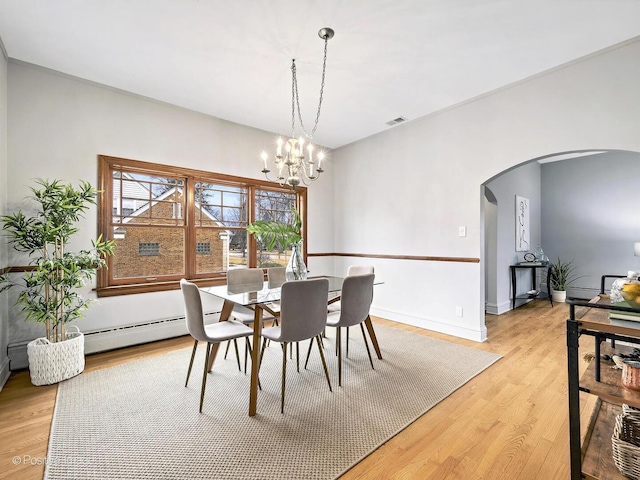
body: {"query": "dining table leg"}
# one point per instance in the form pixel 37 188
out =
pixel 225 313
pixel 255 361
pixel 372 334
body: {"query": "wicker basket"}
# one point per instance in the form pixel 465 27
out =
pixel 631 412
pixel 626 443
pixel 53 362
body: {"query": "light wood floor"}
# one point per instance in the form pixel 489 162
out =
pixel 509 422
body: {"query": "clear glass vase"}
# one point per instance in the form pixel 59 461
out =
pixel 296 269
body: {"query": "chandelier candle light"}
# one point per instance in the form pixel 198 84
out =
pixel 290 161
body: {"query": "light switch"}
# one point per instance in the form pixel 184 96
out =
pixel 462 231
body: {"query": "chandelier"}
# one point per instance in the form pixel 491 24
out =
pixel 294 158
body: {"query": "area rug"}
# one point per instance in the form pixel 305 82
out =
pixel 138 421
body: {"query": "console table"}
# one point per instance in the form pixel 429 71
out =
pixel 533 268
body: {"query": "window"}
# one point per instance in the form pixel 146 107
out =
pixel 170 223
pixel 149 249
pixel 274 206
pixel 203 248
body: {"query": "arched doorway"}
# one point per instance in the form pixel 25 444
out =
pixel 581 210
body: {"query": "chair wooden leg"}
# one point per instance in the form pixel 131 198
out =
pixel 204 375
pixel 306 362
pixel 264 344
pixel 366 344
pixel 235 345
pixel 284 376
pixel 374 340
pixel 324 363
pixel 347 352
pixel 248 348
pixel 193 355
pixel 339 347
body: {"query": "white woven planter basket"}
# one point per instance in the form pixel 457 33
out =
pixel 53 362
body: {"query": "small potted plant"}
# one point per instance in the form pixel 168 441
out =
pixel 286 235
pixel 48 292
pixel 562 277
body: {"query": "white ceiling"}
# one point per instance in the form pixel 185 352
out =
pixel 389 58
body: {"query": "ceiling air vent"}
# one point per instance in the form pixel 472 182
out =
pixel 396 121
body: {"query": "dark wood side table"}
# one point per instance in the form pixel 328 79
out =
pixel 514 284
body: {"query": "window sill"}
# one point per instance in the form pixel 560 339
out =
pixel 137 288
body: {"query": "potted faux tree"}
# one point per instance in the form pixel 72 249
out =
pixel 562 277
pixel 48 292
pixel 286 235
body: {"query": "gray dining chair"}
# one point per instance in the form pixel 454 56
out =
pixel 242 280
pixel 357 295
pixel 335 306
pixel 276 276
pixel 212 333
pixel 303 315
pixel 352 270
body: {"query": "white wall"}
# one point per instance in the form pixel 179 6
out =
pixel 406 191
pixel 523 181
pixel 58 125
pixel 4 312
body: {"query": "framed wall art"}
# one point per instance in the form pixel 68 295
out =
pixel 523 237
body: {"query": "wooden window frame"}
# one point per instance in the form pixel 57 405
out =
pixel 106 286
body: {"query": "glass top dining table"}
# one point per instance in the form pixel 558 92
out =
pixel 256 294
pixel 260 297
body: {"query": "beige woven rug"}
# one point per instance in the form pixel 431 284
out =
pixel 138 421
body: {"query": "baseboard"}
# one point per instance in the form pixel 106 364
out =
pixel 497 309
pixel 5 371
pixel 17 353
pixel 111 339
pixel 430 324
pixel 95 342
pixel 581 292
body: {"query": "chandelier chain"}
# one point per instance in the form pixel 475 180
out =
pixel 296 98
pixel 294 158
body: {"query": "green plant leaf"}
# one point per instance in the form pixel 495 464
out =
pixel 271 233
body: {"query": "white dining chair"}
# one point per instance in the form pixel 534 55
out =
pixel 357 295
pixel 303 315
pixel 212 333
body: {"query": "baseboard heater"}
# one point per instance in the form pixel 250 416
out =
pixel 109 339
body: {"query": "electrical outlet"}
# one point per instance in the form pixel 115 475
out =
pixel 462 231
pixel 458 311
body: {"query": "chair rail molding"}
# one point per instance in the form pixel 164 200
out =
pixel 424 258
